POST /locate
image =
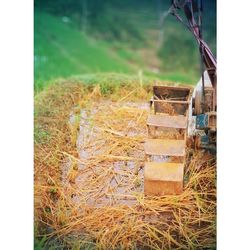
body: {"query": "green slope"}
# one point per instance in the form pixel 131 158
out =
pixel 61 51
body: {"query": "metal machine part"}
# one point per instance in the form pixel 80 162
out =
pixel 171 107
pixel 165 156
pixel 190 8
pixel 204 104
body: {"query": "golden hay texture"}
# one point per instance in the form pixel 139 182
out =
pixel 89 176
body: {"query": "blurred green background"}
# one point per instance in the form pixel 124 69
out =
pixel 78 37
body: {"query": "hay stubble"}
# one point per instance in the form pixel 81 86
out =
pixel 98 202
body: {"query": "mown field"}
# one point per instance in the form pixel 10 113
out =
pixel 67 212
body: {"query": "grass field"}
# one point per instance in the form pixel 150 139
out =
pixel 62 51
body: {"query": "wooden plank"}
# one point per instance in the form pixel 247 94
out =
pixel 163 178
pixel 172 101
pixel 163 171
pixel 165 147
pixel 165 121
pixel 172 87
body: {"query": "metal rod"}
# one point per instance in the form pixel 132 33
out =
pixel 201 53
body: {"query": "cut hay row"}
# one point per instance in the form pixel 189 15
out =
pixel 98 202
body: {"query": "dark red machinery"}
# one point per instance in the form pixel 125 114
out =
pixel 204 102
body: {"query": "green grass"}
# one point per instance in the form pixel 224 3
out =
pixel 188 77
pixel 62 51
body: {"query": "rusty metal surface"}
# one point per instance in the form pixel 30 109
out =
pixel 172 93
pixel 171 108
pixel 162 188
pixel 171 100
pixel 165 121
pixel 162 171
pixel 165 147
pixel 212 120
pixel 161 176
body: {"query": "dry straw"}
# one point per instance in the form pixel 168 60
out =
pixel 96 201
